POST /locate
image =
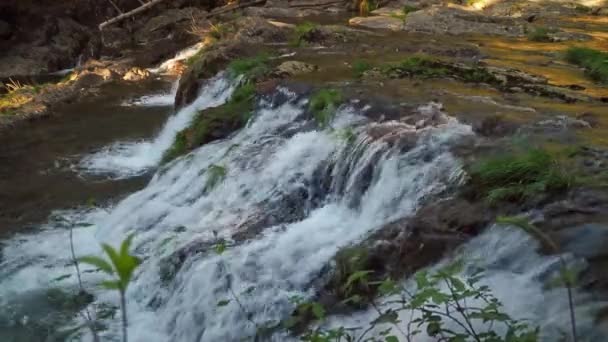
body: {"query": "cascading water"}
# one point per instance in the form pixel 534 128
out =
pixel 290 198
pixel 131 158
pixel 165 99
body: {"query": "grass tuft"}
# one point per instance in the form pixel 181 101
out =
pixel 594 62
pixel 517 176
pixel 540 34
pixel 323 104
pixel 251 68
pixel 360 67
pixel 303 33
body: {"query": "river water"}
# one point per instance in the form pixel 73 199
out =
pixel 290 196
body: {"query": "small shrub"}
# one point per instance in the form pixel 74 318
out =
pixel 593 61
pixel 518 176
pixel 539 34
pixel 324 104
pixel 303 33
pixel 251 68
pixel 360 67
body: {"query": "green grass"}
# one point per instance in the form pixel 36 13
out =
pixel 407 9
pixel 178 148
pixel 539 34
pixel 421 66
pixel 302 33
pixel 323 105
pixel 360 67
pixel 251 68
pixel 517 176
pixel 594 62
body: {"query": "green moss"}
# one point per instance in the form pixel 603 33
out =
pixel 360 67
pixel 420 66
pixel 303 33
pixel 251 68
pixel 196 57
pixel 215 123
pixel 595 62
pixel 539 34
pixel 407 9
pixel 215 175
pixel 323 105
pixel 518 176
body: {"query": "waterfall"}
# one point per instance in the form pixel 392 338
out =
pixel 291 197
pixel 165 99
pixel 130 158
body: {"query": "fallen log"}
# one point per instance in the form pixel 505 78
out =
pixel 131 13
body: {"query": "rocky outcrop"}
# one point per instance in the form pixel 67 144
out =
pixel 455 21
pixel 378 22
pixel 249 34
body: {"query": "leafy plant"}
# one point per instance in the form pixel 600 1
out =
pixel 121 266
pixel 323 105
pixel 303 33
pixel 444 305
pixel 360 67
pixel 594 62
pixel 251 68
pixel 520 175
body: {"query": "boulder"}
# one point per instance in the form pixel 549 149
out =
pixel 136 74
pixel 378 22
pixel 293 68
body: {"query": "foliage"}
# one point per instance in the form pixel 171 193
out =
pixel 539 34
pixel 251 68
pixel 219 31
pixel 360 67
pixel 444 306
pixel 594 62
pixel 520 175
pixel 121 266
pixel 323 105
pixel 417 66
pixel 303 33
pixel 216 174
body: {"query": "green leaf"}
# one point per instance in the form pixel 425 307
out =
pixel 318 310
pixel 223 303
pixel 356 277
pixel 388 287
pixel 125 246
pixel 391 338
pixel 422 280
pixel 97 262
pixel 111 284
pixel 389 316
pixel 433 328
pixel 220 248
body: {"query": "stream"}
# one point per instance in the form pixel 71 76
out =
pixel 290 197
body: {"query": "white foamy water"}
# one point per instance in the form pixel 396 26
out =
pixel 130 158
pixel 291 198
pixel 180 56
pixel 156 100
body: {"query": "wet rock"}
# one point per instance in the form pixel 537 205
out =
pixel 292 68
pixel 136 74
pixel 562 122
pixel 447 20
pixel 377 22
pixel 591 118
pixel 250 33
pixel 495 126
pixel 280 12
